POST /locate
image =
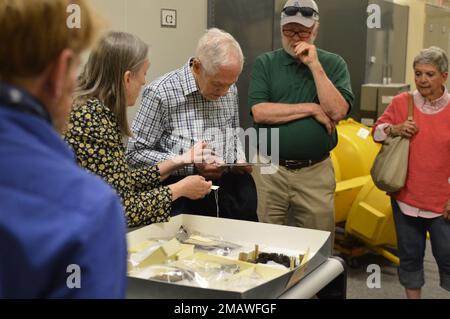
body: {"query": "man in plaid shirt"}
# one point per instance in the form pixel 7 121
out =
pixel 199 102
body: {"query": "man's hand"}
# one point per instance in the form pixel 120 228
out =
pixel 322 118
pixel 197 154
pixel 446 213
pixel 306 53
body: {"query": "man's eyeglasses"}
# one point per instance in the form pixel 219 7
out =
pixel 305 11
pixel 291 33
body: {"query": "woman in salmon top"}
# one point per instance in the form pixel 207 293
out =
pixel 423 205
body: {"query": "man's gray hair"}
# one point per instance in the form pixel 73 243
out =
pixel 217 48
pixel 435 56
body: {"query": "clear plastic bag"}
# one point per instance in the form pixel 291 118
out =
pixel 208 243
pixel 207 273
pixel 165 273
pixel 136 258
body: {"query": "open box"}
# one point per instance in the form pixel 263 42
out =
pixel 316 243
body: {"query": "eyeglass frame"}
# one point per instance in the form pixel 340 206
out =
pixel 291 33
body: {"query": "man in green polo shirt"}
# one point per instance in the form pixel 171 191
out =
pixel 303 91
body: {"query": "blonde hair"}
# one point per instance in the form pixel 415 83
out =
pixel 34 33
pixel 103 74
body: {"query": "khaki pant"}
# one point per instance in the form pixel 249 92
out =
pixel 307 194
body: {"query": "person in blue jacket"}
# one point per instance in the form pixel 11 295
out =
pixel 62 230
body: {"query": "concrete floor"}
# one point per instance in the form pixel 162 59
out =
pixel 390 287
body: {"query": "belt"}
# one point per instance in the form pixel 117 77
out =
pixel 299 164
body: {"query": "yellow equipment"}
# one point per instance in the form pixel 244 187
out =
pixel 364 209
pixel 352 159
pixel 356 149
pixel 370 220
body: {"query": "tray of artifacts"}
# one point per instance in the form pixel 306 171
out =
pixel 205 257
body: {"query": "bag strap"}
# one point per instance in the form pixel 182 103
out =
pixel 410 107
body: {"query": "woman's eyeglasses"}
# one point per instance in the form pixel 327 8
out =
pixel 304 11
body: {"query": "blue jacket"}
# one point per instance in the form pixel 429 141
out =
pixel 60 227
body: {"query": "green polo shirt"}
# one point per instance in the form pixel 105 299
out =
pixel 279 78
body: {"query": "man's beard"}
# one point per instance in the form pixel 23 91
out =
pixel 289 50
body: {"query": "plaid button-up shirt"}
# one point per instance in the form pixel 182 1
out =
pixel 173 116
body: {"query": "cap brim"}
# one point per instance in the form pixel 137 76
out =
pixel 307 22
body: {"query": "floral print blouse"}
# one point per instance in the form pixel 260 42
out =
pixel 94 135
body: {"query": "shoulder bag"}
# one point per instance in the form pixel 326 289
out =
pixel 390 167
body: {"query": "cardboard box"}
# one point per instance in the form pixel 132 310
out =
pixel 317 243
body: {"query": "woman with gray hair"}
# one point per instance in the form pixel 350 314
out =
pixel 423 204
pixel 110 82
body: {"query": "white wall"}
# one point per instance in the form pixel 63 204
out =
pixel 169 47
